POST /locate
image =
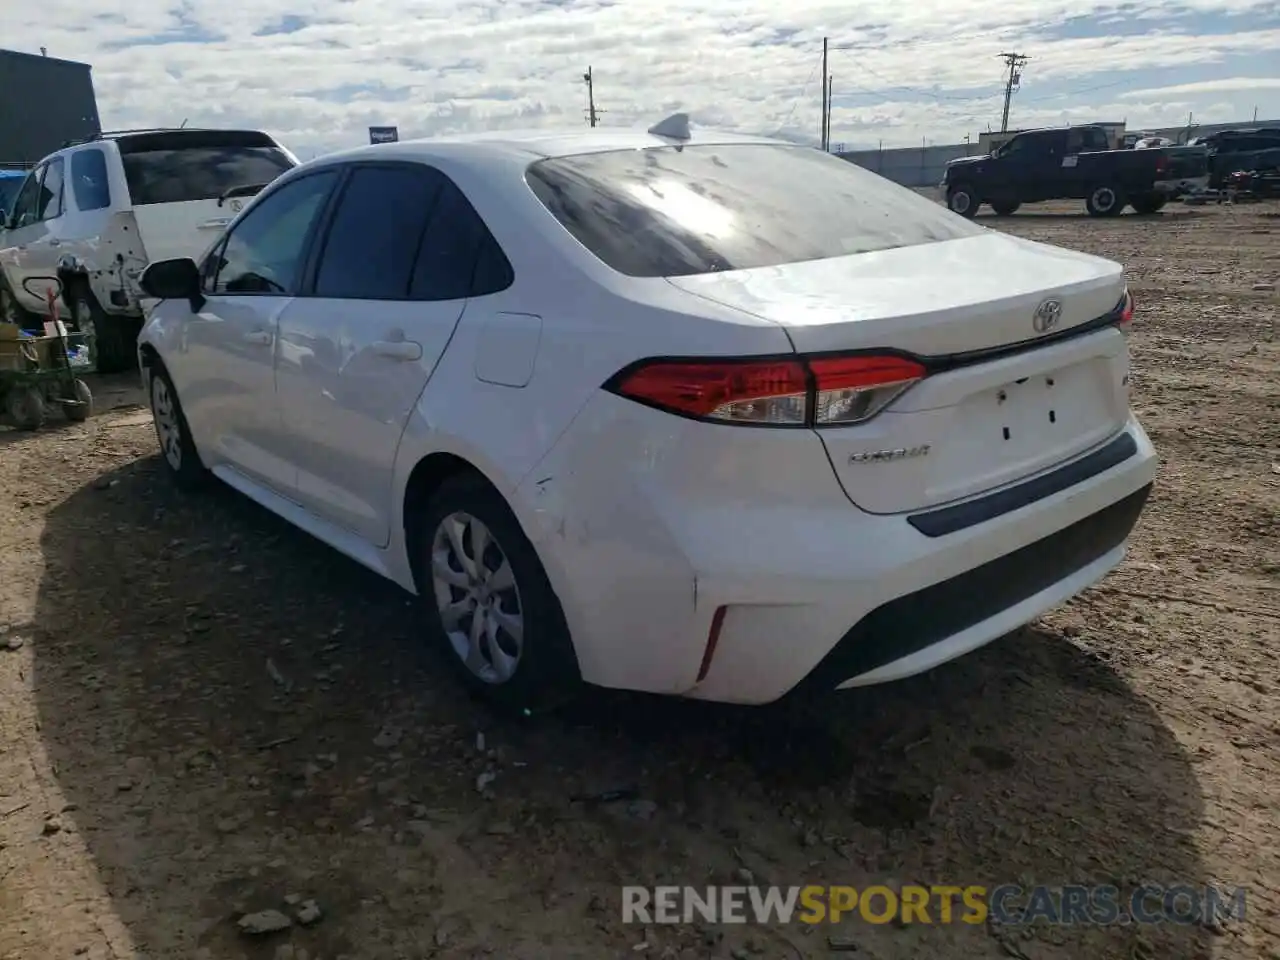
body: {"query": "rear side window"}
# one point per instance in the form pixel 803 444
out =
pixel 459 257
pixel 376 232
pixel 89 180
pixel 177 167
pixel 679 211
pixel 408 233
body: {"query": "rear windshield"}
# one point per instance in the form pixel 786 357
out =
pixel 170 169
pixel 678 211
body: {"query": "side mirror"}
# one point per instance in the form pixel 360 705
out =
pixel 177 279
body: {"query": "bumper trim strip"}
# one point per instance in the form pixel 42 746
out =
pixel 940 522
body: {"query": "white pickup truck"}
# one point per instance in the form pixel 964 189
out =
pixel 90 217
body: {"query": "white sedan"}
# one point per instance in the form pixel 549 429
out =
pixel 674 411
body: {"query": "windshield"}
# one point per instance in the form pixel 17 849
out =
pixel 678 211
pixel 8 190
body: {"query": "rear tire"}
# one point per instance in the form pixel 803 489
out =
pixel 495 615
pixel 1105 201
pixel 1005 209
pixel 115 338
pixel 177 448
pixel 962 200
pixel 1151 203
pixel 25 406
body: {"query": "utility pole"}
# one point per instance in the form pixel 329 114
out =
pixel 1014 62
pixel 592 112
pixel 830 85
pixel 822 135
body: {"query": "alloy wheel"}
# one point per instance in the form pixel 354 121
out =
pixel 477 597
pixel 165 414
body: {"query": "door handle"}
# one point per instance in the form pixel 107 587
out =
pixel 398 349
pixel 260 337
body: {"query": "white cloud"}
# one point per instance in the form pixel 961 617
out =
pixel 1225 85
pixel 452 65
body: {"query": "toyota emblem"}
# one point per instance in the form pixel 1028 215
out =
pixel 1047 316
pixel 236 206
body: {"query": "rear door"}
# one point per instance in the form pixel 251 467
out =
pixel 176 179
pixel 391 280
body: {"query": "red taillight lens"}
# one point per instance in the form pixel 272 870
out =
pixel 853 389
pixel 816 391
pixel 1125 315
pixel 735 391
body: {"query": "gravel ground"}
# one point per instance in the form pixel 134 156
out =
pixel 203 714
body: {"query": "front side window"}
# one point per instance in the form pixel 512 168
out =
pixel 263 253
pixel 50 204
pixel 678 211
pixel 27 202
pixel 89 180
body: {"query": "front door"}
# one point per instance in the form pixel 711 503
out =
pixel 391 280
pixel 28 232
pixel 225 368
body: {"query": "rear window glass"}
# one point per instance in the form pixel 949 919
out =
pixel 678 211
pixel 199 172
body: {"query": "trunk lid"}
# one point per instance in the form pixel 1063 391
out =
pixel 980 423
pixel 185 186
pixel 180 229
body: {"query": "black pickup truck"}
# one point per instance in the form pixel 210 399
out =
pixel 1231 151
pixel 1073 163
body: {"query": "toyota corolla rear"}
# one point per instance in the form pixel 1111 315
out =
pixel 861 436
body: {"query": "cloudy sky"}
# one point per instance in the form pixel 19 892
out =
pixel 317 75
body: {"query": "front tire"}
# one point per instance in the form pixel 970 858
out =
pixel 1105 201
pixel 962 200
pixel 1005 209
pixel 177 449
pixel 489 602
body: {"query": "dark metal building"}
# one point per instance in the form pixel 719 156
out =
pixel 44 102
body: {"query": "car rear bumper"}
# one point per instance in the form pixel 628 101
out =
pixel 802 590
pixel 926 600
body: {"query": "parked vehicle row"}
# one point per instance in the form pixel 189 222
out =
pixel 87 220
pixel 684 412
pixel 1074 163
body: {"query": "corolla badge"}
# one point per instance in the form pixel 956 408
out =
pixel 1047 316
pixel 888 456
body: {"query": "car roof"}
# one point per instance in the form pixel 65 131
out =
pixel 531 145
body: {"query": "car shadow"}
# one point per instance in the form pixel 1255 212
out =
pixel 239 718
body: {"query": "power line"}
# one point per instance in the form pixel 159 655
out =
pixel 1014 62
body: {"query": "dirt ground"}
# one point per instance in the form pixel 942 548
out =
pixel 204 714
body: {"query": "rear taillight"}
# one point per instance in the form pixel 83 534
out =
pixel 813 391
pixel 1124 311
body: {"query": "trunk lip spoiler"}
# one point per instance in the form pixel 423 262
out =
pixel 933 363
